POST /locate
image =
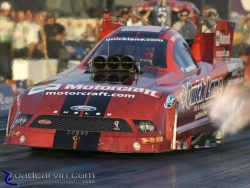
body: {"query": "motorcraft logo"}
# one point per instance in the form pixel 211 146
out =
pixel 90 93
pixel 83 108
pixel 201 91
pixel 222 38
pixel 55 87
pixel 42 88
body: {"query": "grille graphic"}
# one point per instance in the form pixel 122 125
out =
pixel 91 124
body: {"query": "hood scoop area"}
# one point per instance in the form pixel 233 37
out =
pixel 103 63
pixel 113 78
pixel 114 69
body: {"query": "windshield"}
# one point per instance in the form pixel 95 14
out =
pixel 148 51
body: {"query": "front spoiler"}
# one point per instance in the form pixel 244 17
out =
pixel 92 141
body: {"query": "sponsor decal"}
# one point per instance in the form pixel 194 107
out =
pixel 54 87
pixel 232 81
pixel 116 123
pixel 201 114
pixel 176 36
pixel 201 109
pixel 105 94
pixel 83 108
pixel 134 39
pixel 190 68
pixel 222 53
pixel 201 91
pixel 237 73
pixel 39 89
pixel 203 106
pixel 170 101
pixel 44 122
pixel 145 91
pixel 73 101
pixel 222 38
pixel 232 66
pixel 22 139
pixel 136 146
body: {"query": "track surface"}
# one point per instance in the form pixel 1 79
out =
pixel 224 166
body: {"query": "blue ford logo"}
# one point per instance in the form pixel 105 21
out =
pixel 170 101
pixel 83 108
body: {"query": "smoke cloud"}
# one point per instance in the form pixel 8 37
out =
pixel 230 112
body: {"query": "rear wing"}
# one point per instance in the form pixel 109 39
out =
pixel 110 24
pixel 214 47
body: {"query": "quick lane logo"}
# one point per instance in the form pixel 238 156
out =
pixel 83 108
pixel 8 178
pixel 201 91
pixel 222 38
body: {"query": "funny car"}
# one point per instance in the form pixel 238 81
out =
pixel 141 89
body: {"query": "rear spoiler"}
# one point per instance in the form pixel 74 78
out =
pixel 110 24
pixel 214 47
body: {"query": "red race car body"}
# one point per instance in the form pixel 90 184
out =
pixel 141 89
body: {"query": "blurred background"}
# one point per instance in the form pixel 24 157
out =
pixel 40 38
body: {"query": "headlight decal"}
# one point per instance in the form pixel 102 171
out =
pixel 145 125
pixel 22 119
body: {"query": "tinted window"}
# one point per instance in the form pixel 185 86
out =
pixel 183 58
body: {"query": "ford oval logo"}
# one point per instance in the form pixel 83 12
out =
pixel 83 108
pixel 170 101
